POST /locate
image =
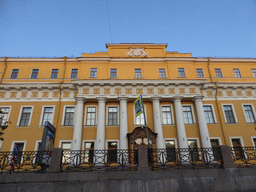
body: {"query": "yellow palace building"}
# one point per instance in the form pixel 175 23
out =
pixel 189 101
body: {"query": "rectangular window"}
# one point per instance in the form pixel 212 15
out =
pixel 34 73
pixel 89 148
pixel 230 118
pixel 112 116
pixel 74 73
pixel 193 149
pixel 200 73
pixel 215 144
pixel 162 73
pixel 166 112
pixel 208 114
pixel 14 74
pixel 139 120
pixel 138 73
pixel 254 142
pixel 19 147
pixel 113 73
pixel 254 73
pixel 112 152
pixel 218 73
pixel 249 115
pixel 47 116
pixel 66 146
pixel 91 116
pixel 54 73
pixel 170 150
pixel 187 112
pixel 237 149
pixel 181 72
pixel 237 73
pixel 4 115
pixel 69 116
pixel 93 73
pixel 25 116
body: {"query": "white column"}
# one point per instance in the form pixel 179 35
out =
pixel 78 124
pixel 158 122
pixel 182 137
pixel 100 138
pixel 123 123
pixel 202 122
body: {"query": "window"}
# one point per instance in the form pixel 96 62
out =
pixel 138 73
pixel 91 116
pixel 112 115
pixel 89 147
pixel 25 116
pixel 74 73
pixel 166 112
pixel 66 146
pixel 14 74
pixel 237 73
pixel 237 149
pixel 162 73
pixel 254 142
pixel 19 147
pixel 170 150
pixel 208 114
pixel 181 72
pixel 187 113
pixel 229 114
pixel 218 73
pixel 54 73
pixel 113 73
pixel 4 115
pixel 93 73
pixel 200 73
pixel 139 120
pixel 34 73
pixel 193 149
pixel 69 116
pixel 249 115
pixel 215 145
pixel 254 72
pixel 47 115
pixel 112 152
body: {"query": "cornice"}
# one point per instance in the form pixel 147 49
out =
pixel 35 86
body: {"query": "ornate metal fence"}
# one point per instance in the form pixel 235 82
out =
pixel 244 156
pixel 176 158
pixel 24 161
pixel 90 160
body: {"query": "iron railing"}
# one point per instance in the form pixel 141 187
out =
pixel 176 158
pixel 24 161
pixel 91 160
pixel 244 156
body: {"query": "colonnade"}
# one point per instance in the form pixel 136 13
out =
pixel 100 138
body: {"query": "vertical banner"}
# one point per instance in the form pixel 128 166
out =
pixel 138 106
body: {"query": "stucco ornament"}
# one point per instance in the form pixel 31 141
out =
pixel 137 52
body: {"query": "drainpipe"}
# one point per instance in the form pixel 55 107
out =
pixel 5 66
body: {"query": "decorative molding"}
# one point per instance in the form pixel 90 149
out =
pixel 137 52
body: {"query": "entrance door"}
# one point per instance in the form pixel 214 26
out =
pixel 239 154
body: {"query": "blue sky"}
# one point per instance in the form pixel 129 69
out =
pixel 49 28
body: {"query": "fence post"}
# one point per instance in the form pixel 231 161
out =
pixel 226 158
pixel 56 159
pixel 143 159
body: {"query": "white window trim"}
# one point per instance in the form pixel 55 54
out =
pixel 134 116
pixel 253 110
pixel 65 141
pixel 83 145
pixel 231 144
pixel 1 142
pixel 234 112
pixel 198 144
pixel 21 109
pixel 13 142
pixel 174 139
pixel 42 114
pixel 37 143
pixel 214 115
pixel 85 115
pixel 253 137
pixel 63 115
pixel 217 138
pixel 172 114
pixel 193 113
pixel 108 106
pixel 8 112
pixel 111 140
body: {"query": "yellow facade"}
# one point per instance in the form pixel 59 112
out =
pixel 237 92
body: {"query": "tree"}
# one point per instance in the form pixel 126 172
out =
pixel 3 125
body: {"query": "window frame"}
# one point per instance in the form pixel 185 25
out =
pixel 63 115
pixel 13 73
pixel 233 110
pixel 115 73
pixel 73 72
pixel 172 114
pixel 201 72
pixel 174 139
pixel 20 114
pixel 192 111
pixel 93 74
pixel 135 76
pixel 65 141
pixel 220 72
pixel 112 106
pixel 253 111
pixel 162 73
pixel 85 115
pixel 42 114
pixel 214 115
pixel 253 72
pixel 134 117
pixel 252 139
pixel 217 138
pixel 32 73
pixel 237 73
pixel 53 73
pixel 17 141
pixel 9 113
pixel 183 73
pixel 37 144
